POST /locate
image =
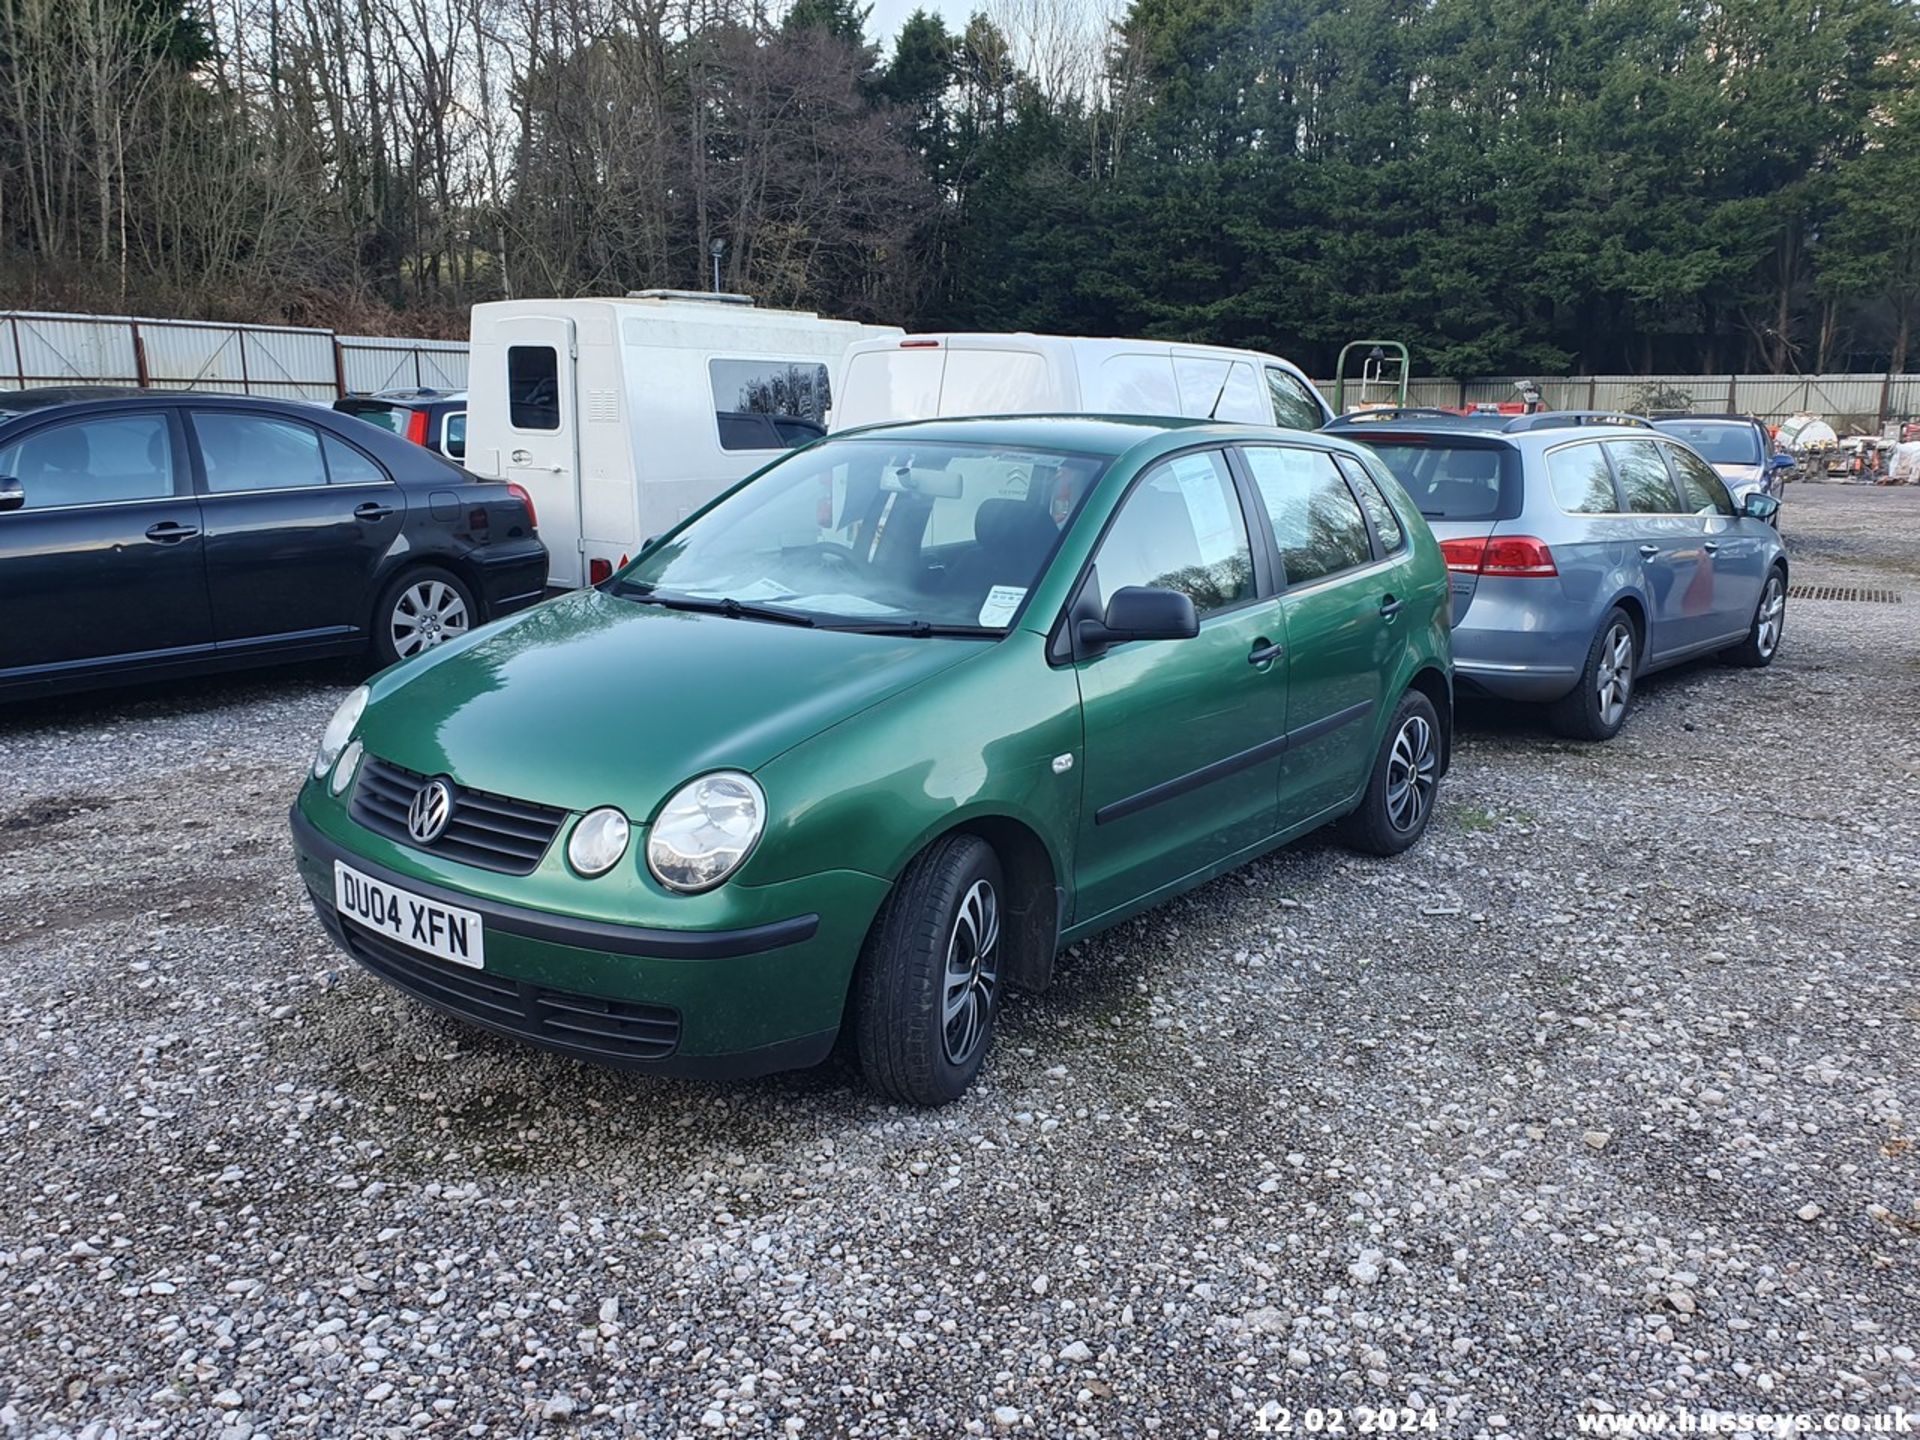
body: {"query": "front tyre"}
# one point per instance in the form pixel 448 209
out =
pixel 1406 776
pixel 422 608
pixel 1597 706
pixel 929 980
pixel 1756 652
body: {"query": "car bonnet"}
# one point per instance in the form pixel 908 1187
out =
pixel 592 700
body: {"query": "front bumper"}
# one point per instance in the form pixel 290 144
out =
pixel 713 1004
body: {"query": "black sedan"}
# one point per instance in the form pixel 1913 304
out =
pixel 146 534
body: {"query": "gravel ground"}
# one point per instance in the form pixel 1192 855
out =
pixel 1606 1097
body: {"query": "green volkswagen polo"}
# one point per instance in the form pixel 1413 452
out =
pixel 878 733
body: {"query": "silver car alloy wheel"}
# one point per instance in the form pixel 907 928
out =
pixel 972 975
pixel 1413 767
pixel 425 615
pixel 1613 684
pixel 1772 619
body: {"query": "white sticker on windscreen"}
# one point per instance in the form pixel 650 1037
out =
pixel 1001 602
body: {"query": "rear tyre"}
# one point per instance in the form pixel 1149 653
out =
pixel 1597 706
pixel 419 610
pixel 928 984
pixel 1406 777
pixel 1769 626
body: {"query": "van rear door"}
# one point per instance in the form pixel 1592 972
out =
pixel 542 452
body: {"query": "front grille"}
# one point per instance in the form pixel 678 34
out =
pixel 593 1026
pixel 492 832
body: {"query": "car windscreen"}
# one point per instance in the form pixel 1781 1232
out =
pixel 376 412
pixel 879 532
pixel 1728 442
pixel 1451 477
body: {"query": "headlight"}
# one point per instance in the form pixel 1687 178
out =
pixel 598 842
pixel 706 828
pixel 343 772
pixel 339 730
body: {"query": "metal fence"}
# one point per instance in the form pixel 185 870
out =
pixel 50 349
pixel 274 360
pixel 1848 402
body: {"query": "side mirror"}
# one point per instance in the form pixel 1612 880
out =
pixel 1141 612
pixel 13 495
pixel 1757 505
pixel 1783 461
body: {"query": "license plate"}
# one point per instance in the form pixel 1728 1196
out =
pixel 444 931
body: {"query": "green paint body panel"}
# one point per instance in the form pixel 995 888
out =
pixel 868 747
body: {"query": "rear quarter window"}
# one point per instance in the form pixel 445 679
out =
pixel 1581 480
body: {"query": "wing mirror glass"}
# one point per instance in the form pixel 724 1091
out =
pixel 1142 612
pixel 1759 506
pixel 13 495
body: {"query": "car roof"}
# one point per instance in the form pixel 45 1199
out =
pixel 43 397
pixel 1541 429
pixel 422 394
pixel 1109 435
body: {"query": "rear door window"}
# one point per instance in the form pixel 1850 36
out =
pixel 899 384
pixel 1317 523
pixel 1644 478
pixel 257 452
pixel 748 394
pixel 1581 480
pixel 93 462
pixel 533 387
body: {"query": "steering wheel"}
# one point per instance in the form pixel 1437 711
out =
pixel 837 553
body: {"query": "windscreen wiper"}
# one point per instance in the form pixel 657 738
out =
pixel 918 629
pixel 722 605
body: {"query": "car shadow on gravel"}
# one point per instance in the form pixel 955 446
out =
pixel 210 695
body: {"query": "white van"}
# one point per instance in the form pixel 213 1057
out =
pixel 619 417
pixel 917 377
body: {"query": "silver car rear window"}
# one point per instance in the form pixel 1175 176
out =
pixel 1453 479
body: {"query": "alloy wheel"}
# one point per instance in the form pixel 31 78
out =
pixel 972 975
pixel 1613 682
pixel 425 615
pixel 1772 619
pixel 1413 768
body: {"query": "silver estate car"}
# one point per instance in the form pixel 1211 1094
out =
pixel 1586 550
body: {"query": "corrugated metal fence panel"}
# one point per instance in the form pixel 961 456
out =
pixel 378 363
pixel 67 350
pixel 1847 400
pixel 1433 392
pixel 240 359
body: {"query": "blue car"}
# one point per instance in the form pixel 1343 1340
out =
pixel 1585 550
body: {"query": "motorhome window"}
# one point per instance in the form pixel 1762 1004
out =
pixel 750 395
pixel 879 532
pixel 1293 407
pixel 533 387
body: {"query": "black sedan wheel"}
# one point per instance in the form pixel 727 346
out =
pixel 422 609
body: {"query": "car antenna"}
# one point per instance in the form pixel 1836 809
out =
pixel 1221 392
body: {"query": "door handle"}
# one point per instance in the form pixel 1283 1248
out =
pixel 1264 651
pixel 1712 547
pixel 1649 550
pixel 1389 608
pixel 372 510
pixel 169 532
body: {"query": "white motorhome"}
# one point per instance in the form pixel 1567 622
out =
pixel 916 377
pixel 619 417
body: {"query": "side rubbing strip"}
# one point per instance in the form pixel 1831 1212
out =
pixel 1233 764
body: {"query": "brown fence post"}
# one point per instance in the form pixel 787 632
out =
pixel 1886 399
pixel 140 376
pixel 1733 394
pixel 1593 392
pixel 19 355
pixel 339 369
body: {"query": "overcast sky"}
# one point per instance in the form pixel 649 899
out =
pixel 889 15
